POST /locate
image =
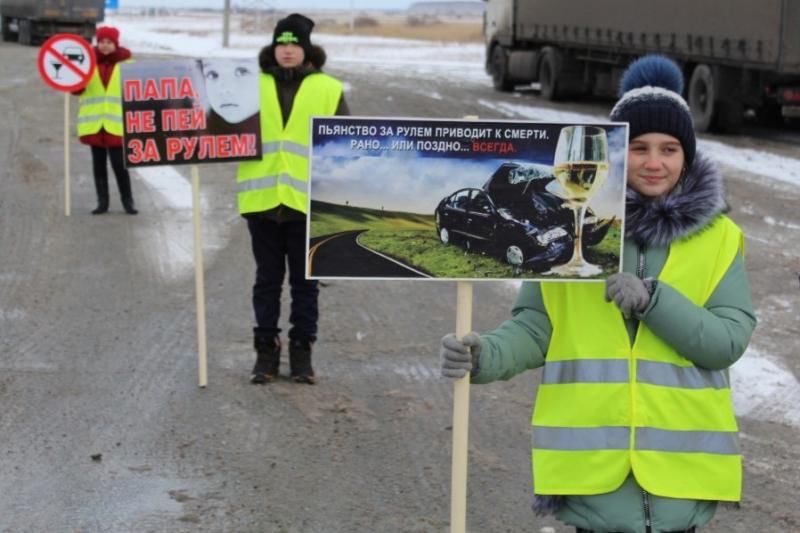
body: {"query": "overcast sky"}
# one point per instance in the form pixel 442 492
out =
pixel 277 4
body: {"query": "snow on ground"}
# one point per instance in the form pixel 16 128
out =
pixel 762 387
pixel 169 183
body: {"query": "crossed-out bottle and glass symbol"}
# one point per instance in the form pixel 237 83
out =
pixel 72 53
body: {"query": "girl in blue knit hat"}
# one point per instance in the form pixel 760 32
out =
pixel 633 425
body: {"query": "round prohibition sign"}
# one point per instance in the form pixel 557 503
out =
pixel 66 62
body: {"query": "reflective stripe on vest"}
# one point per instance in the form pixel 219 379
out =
pixel 605 407
pixel 618 438
pixel 616 371
pixel 101 107
pixel 281 176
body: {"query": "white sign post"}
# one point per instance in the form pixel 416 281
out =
pixel 66 63
pixel 458 475
pixel 199 283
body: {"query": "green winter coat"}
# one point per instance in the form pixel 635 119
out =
pixel 715 335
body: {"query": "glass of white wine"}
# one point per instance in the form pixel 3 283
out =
pixel 581 167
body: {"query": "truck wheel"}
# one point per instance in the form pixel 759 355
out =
pixel 24 33
pixel 8 35
pixel 701 97
pixel 549 71
pixel 500 78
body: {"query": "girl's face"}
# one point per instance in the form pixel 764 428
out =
pixel 655 164
pixel 106 46
pixel 289 55
pixel 232 88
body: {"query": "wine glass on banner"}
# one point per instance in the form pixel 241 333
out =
pixel 581 167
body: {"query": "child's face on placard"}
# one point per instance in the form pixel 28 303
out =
pixel 232 88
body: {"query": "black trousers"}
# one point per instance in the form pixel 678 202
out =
pixel 100 169
pixel 274 245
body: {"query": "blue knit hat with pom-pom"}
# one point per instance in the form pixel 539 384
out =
pixel 651 102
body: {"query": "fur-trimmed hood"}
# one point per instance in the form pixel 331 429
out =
pixel 698 197
pixel 315 59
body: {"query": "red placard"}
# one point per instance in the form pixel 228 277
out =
pixel 66 62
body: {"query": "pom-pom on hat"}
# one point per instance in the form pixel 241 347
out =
pixel 294 29
pixel 651 102
pixel 108 32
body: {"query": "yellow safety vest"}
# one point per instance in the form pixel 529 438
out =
pixel 605 407
pixel 281 176
pixel 101 107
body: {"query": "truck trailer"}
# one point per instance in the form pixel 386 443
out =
pixel 33 21
pixel 736 55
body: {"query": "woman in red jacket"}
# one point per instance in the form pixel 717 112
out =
pixel 94 132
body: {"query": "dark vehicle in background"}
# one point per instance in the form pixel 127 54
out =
pixel 736 55
pixel 514 217
pixel 31 22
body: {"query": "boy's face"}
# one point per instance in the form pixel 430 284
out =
pixel 232 88
pixel 289 55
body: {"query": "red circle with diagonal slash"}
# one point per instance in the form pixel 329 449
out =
pixel 49 48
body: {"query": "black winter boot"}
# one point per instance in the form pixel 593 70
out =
pixel 300 361
pixel 125 192
pixel 101 186
pixel 268 360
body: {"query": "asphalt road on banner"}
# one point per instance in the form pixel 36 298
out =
pixel 341 256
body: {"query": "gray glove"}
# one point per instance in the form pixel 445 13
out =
pixel 630 294
pixel 459 357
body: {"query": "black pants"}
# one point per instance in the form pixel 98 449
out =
pixel 275 244
pixel 101 176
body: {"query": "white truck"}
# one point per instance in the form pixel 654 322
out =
pixel 736 55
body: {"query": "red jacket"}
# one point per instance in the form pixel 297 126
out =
pixel 105 65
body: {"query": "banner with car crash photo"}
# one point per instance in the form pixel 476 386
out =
pixel 465 199
pixel 190 111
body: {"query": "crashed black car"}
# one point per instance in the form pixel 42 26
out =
pixel 516 218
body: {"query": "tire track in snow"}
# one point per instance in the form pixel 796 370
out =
pixel 168 242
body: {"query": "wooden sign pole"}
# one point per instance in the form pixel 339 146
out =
pixel 202 358
pixel 458 482
pixel 458 487
pixel 67 192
